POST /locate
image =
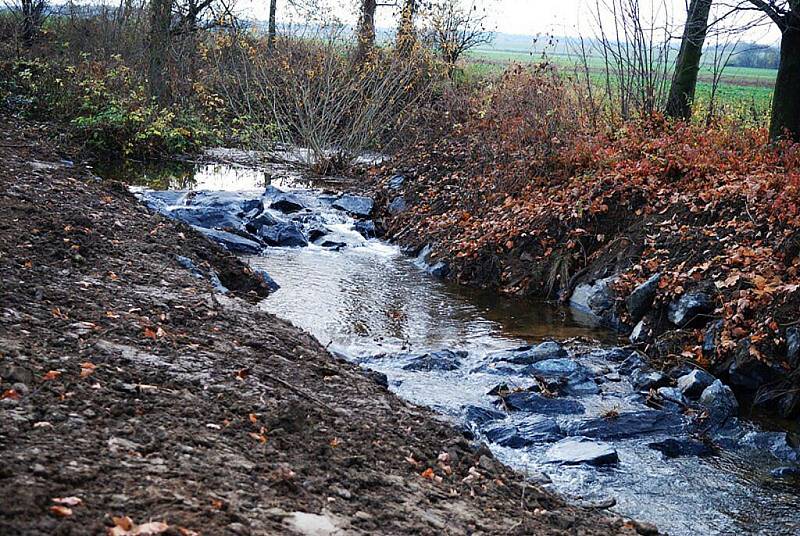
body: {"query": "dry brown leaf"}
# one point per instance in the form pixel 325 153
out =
pixel 87 369
pixel 61 511
pixel 51 375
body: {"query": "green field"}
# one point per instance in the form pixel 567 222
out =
pixel 743 88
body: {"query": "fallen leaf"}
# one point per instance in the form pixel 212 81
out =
pixel 60 511
pixel 149 333
pixel 10 393
pixel 68 501
pixel 87 369
pixel 427 473
pixel 51 375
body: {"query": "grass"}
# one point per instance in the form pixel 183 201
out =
pixel 740 87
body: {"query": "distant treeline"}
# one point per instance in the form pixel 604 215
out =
pixel 756 56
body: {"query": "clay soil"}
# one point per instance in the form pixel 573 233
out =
pixel 127 383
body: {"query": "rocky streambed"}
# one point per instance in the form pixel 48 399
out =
pixel 551 395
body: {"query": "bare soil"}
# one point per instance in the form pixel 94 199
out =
pixel 129 384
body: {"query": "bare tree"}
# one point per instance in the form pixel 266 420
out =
pixel 366 30
pixel 687 66
pixel 160 25
pixel 406 35
pixel 785 118
pixel 457 28
pixel 272 32
pixel 30 16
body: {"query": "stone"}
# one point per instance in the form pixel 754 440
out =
pixel 641 299
pixel 644 380
pixel 188 264
pixel 691 309
pixel 640 333
pixel 528 355
pixel 283 235
pixel 267 280
pixel 581 450
pixel 442 360
pixel 671 398
pixel 265 219
pixel 693 384
pixel 479 416
pixel 234 202
pixel 535 403
pixel 747 371
pixel 355 205
pixel 397 206
pixel 396 182
pixel 441 269
pixel 631 424
pixel 633 363
pixel 720 402
pixel 525 434
pixel 315 232
pixel 209 218
pixel 579 385
pixel 793 346
pixel 282 201
pixel 366 229
pixel 596 300
pixel 553 367
pixel 378 377
pixel 676 448
pixel 232 242
pixel 710 337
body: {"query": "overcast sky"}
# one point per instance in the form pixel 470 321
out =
pixel 529 17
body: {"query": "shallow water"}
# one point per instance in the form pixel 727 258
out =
pixel 369 299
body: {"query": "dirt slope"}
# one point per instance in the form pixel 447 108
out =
pixel 128 384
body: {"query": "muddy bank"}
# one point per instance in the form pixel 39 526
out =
pixel 696 265
pixel 130 387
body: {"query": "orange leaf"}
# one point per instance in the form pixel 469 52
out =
pixel 427 473
pixel 51 375
pixel 87 369
pixel 149 333
pixel 61 511
pixel 10 393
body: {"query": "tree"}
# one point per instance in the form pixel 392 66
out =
pixel 406 35
pixel 785 119
pixel 160 26
pixel 30 15
pixel 687 66
pixel 457 29
pixel 272 32
pixel 366 30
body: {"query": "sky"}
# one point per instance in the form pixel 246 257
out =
pixel 531 17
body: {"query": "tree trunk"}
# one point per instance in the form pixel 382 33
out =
pixel 273 29
pixel 160 19
pixel 785 120
pixel 366 30
pixel 687 66
pixel 406 36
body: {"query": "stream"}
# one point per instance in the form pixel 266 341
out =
pixel 447 348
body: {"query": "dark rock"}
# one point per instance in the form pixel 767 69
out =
pixel 231 242
pixel 553 367
pixel 397 206
pixel 675 448
pixel 643 380
pixel 528 355
pixel 366 229
pixel 162 200
pixel 287 203
pixel 265 219
pixel 525 434
pixel 233 202
pixel 396 182
pixel 442 360
pixel 216 283
pixel 377 377
pixel 633 363
pixel 692 309
pixel 773 442
pixel 283 235
pixel 693 384
pixel 640 334
pixel 748 372
pixel 440 269
pixel 786 472
pixel 479 416
pixel 597 300
pixel 267 280
pixel 316 232
pixel 671 398
pixel 188 264
pixel 355 205
pixel 711 336
pixel 720 402
pixel 632 424
pixel 209 218
pixel 535 403
pixel 793 346
pixel 333 244
pixel 581 450
pixel 641 298
pixel 579 385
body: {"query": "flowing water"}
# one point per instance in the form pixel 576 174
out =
pixel 367 298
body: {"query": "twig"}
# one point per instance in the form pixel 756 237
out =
pixel 301 393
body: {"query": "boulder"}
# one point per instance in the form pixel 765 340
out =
pixel 234 202
pixel 693 384
pixel 396 182
pixel 671 398
pixel 641 298
pixel 528 355
pixel 691 309
pixel 366 229
pixel 528 433
pixel 479 416
pixel 720 402
pixel 675 448
pixel 747 371
pixel 231 242
pixel 596 300
pixel 632 424
pixel 397 206
pixel 581 450
pixel 283 235
pixel 553 367
pixel 265 219
pixel 536 403
pixel 209 218
pixel 644 380
pixel 315 232
pixel 267 280
pixel 286 203
pixel 355 205
pixel 442 360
